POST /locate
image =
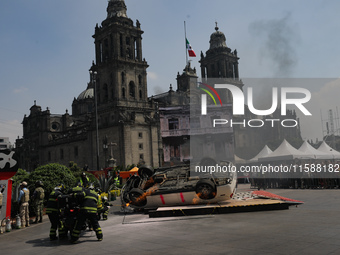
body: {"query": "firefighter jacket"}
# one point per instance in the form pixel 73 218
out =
pixel 90 202
pixel 78 194
pixel 99 204
pixel 52 202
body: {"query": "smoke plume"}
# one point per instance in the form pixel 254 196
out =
pixel 279 36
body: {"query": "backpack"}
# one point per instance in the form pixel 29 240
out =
pixel 41 193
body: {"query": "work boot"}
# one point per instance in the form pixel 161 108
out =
pixel 40 220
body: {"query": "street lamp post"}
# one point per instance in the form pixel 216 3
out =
pixel 93 76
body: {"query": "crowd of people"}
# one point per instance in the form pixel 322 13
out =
pixel 83 200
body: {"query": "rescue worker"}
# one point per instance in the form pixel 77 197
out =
pixel 38 201
pixel 103 208
pixel 24 197
pixel 84 180
pixel 117 179
pixel 88 210
pixel 53 212
pixel 99 204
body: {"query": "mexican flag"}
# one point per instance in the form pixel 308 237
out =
pixel 190 50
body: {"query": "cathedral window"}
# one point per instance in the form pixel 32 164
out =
pixel 111 46
pixel 174 152
pixel 123 92
pixel 121 45
pixel 128 48
pixel 140 80
pixel 101 51
pixel 106 49
pixel 173 124
pixel 132 91
pixel 140 94
pixel 106 92
pixel 123 77
pixel 135 49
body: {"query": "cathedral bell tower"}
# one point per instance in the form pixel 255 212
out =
pixel 121 69
pixel 125 115
pixel 220 61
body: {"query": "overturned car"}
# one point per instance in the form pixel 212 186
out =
pixel 175 186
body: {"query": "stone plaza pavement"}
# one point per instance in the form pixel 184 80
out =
pixel 310 228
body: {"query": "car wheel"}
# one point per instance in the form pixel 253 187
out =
pixel 126 198
pixel 205 189
pixel 137 197
pixel 146 170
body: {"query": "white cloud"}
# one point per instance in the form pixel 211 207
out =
pixel 20 90
pixel 152 76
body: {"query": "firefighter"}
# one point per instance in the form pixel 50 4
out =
pixel 53 212
pixel 24 197
pixel 88 210
pixel 99 204
pixel 102 205
pixel 105 208
pixel 84 180
pixel 38 201
pixel 117 179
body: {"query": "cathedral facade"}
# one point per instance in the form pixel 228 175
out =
pixel 112 120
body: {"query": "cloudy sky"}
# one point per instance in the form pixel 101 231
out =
pixel 46 47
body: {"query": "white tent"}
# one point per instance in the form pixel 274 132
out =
pixel 239 160
pixel 265 152
pixel 324 147
pixel 317 154
pixel 286 152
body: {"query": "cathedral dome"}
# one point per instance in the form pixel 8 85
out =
pixel 88 93
pixel 217 39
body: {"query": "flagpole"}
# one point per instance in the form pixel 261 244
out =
pixel 186 50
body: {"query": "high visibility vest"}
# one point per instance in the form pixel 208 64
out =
pixel 116 180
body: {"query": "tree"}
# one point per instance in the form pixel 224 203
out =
pixel 51 175
pixel 20 176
